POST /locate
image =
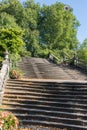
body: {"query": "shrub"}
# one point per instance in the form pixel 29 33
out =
pixel 43 53
pixel 15 73
pixel 8 121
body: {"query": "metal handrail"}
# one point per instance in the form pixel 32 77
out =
pixel 75 61
pixel 53 58
pixel 81 64
pixel 4 74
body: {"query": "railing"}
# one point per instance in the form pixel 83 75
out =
pixel 74 61
pixel 53 58
pixel 81 64
pixel 59 61
pixel 4 74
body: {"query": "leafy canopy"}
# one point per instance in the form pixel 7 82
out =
pixel 37 28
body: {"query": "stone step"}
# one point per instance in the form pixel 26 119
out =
pixel 47 90
pixel 48 87
pixel 39 91
pixel 48 83
pixel 50 103
pixel 49 119
pixel 44 107
pixel 45 97
pixel 47 112
pixel 50 96
pixel 59 95
pixel 54 124
pixel 42 117
pixel 40 98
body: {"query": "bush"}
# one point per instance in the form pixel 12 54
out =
pixel 14 58
pixel 82 54
pixel 8 121
pixel 15 73
pixel 43 53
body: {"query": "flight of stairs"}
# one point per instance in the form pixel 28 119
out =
pixel 48 95
pixel 47 103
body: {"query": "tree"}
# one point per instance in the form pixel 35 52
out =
pixel 51 27
pixel 11 39
pixel 26 16
pixel 31 38
pixel 58 27
pixel 7 20
pixel 82 51
pixel 12 7
pixel 10 34
pixel 84 44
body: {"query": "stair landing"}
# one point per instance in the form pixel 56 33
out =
pixel 41 68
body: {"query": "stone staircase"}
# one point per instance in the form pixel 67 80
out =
pixel 48 95
pixel 50 104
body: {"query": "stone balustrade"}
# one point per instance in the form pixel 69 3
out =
pixel 4 74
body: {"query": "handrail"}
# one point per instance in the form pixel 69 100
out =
pixel 4 74
pixel 59 61
pixel 53 58
pixel 75 61
pixel 81 64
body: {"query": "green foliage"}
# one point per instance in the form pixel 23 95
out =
pixel 84 44
pixel 15 72
pixel 31 10
pixel 11 35
pixel 82 51
pixel 64 55
pixel 43 53
pixel 8 121
pixel 12 7
pixel 11 39
pixel 14 58
pixel 7 21
pixel 58 27
pixel 24 53
pixel 29 26
pixel 33 44
pixel 1 60
pixel 82 54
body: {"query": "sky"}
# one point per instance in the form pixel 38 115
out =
pixel 79 10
